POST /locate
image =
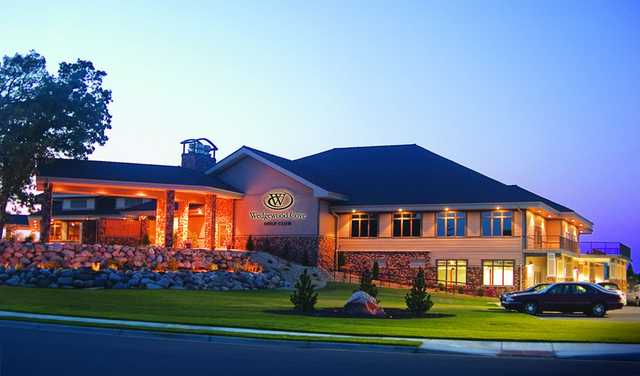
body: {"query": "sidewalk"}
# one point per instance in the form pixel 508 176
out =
pixel 481 348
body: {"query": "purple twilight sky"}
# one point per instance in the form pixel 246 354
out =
pixel 542 94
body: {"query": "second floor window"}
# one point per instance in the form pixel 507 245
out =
pixel 497 223
pixel 407 224
pixel 364 225
pixel 451 223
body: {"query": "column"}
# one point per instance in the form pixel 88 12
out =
pixel 165 207
pixel 210 221
pixel 183 224
pixel 47 205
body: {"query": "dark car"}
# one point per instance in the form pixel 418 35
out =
pixel 565 297
pixel 535 288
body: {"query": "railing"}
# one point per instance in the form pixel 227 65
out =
pixel 552 242
pixel 453 287
pixel 605 248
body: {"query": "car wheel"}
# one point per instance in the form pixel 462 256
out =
pixel 598 310
pixel 531 308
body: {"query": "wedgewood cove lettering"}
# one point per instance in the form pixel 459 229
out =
pixel 277 201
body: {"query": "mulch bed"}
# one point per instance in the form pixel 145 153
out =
pixel 390 313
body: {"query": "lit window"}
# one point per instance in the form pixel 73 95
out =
pixel 451 223
pixel 364 225
pixel 497 223
pixel 407 224
pixel 497 273
pixel 452 272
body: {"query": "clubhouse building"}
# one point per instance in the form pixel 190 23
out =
pixel 401 206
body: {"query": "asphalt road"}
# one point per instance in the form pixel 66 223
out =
pixel 28 349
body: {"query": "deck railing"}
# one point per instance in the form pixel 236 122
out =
pixel 552 242
pixel 605 248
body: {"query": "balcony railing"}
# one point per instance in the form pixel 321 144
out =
pixel 605 249
pixel 552 242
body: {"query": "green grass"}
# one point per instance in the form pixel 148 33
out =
pixel 471 317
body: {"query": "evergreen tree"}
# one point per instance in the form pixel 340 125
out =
pixel 375 271
pixel 418 300
pixel 250 245
pixel 367 285
pixel 304 297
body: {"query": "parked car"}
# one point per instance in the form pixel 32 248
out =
pixel 615 288
pixel 634 295
pixel 566 297
pixel 535 288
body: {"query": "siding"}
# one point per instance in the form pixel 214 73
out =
pixel 472 249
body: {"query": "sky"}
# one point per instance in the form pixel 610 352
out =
pixel 543 94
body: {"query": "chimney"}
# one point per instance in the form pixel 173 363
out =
pixel 198 154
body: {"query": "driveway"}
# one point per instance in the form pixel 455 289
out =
pixel 626 314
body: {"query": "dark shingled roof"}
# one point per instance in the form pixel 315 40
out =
pixel 18 219
pixel 130 172
pixel 401 175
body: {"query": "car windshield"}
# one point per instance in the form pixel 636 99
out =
pixel 539 287
pixel 601 288
pixel 610 286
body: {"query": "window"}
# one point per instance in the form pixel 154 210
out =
pixel 127 202
pixel 497 273
pixel 56 231
pixel 497 223
pixel 78 204
pixel 407 224
pixel 364 225
pixel 451 223
pixel 452 272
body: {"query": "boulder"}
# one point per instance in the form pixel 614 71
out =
pixel 362 304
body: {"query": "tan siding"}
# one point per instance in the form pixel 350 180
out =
pixel 472 249
pixel 326 220
pixel 554 227
pixel 429 224
pixel 473 223
pixel 517 223
pixel 385 224
pixel 344 225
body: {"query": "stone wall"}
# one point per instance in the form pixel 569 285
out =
pixel 399 267
pixel 306 250
pixel 56 255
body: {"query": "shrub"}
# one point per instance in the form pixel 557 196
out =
pixel 460 289
pixel 304 297
pixel 480 291
pixel 145 239
pixel 367 285
pixel 250 245
pixel 417 299
pixel 29 239
pixel 375 270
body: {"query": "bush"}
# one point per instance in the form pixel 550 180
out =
pixel 480 291
pixel 367 285
pixel 375 271
pixel 250 245
pixel 460 289
pixel 417 299
pixel 304 297
pixel 145 239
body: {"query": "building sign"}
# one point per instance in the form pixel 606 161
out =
pixel 278 205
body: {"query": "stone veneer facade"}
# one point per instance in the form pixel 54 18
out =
pixel 306 250
pixel 224 223
pixel 401 267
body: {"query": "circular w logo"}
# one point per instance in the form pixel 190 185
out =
pixel 278 199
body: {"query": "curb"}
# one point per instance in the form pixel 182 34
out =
pixel 440 346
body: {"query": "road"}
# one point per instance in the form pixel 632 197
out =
pixel 29 349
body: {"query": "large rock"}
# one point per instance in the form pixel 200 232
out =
pixel 363 304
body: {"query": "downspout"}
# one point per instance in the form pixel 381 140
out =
pixel 335 236
pixel 523 231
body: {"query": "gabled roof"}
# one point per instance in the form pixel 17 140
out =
pixel 17 219
pixel 130 172
pixel 399 175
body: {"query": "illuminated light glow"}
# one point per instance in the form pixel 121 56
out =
pixel 497 208
pixel 400 209
pixel 141 194
pixel 446 209
pixel 353 210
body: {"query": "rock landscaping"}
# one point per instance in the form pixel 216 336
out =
pixel 123 267
pixel 140 279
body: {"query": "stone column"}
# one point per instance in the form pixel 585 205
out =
pixel 183 224
pixel 47 207
pixel 210 221
pixel 165 206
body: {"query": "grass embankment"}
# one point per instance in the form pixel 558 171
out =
pixel 464 317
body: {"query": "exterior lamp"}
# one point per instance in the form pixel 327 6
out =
pixel 353 210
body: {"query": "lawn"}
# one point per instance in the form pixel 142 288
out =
pixel 465 317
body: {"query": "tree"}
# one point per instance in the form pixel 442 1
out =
pixel 304 297
pixel 367 285
pixel 417 299
pixel 375 271
pixel 250 245
pixel 44 116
